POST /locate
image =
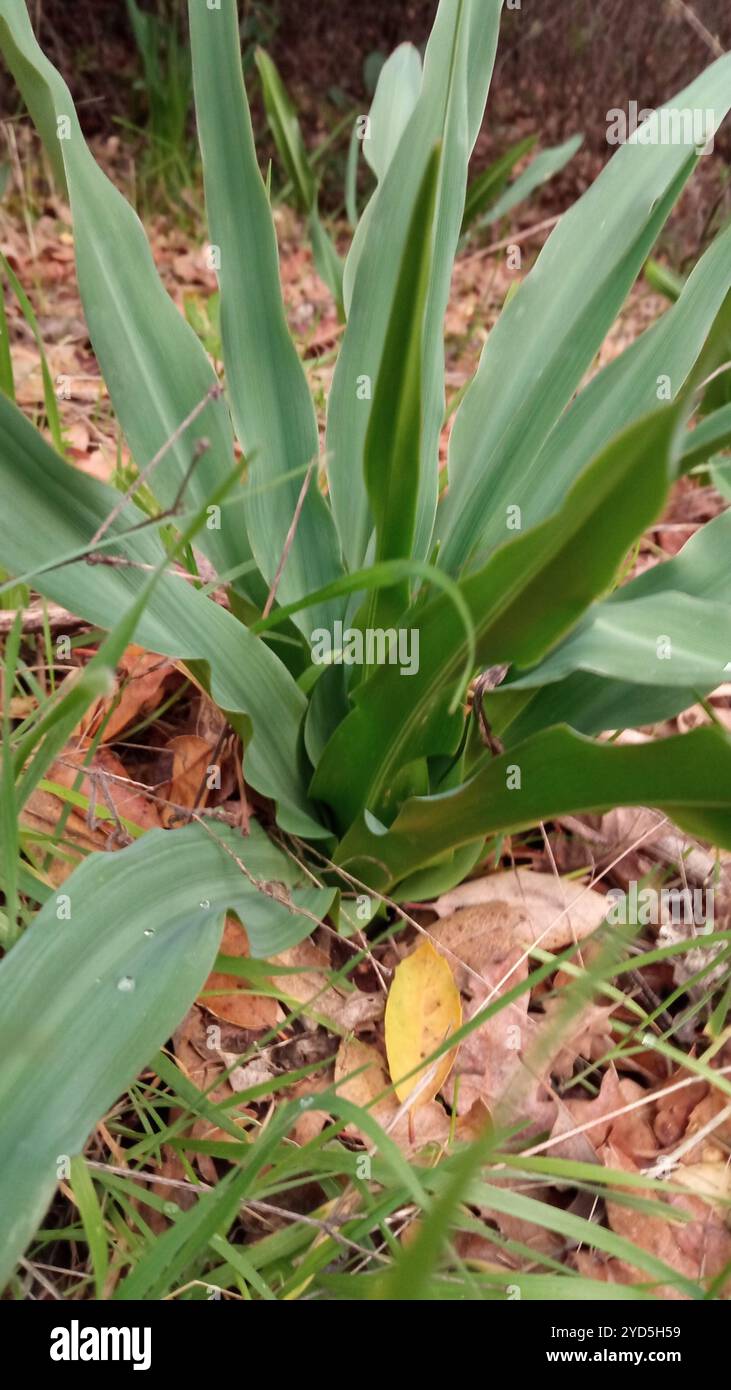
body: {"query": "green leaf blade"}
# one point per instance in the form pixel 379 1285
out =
pixel 104 976
pixel 273 413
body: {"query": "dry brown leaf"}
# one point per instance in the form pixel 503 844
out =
pixel 485 946
pixel 361 1076
pixel 312 1121
pixel 240 1007
pixel 198 1052
pixel 635 840
pixel 604 1268
pixel 717 1144
pixel 587 1034
pixel 202 1063
pixel 573 1113
pixel 709 1180
pixel 632 1133
pixel 310 985
pixel 425 1124
pixel 696 959
pixel 473 1124
pixel 82 832
pixel 673 1111
pixel 187 787
pixel 258 1071
pixel 481 944
pixel 698 1249
pixel 343 1011
pixel 557 911
pixel 479 1250
pixel 142 681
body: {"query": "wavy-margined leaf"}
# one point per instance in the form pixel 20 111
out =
pixel 56 510
pixel 449 108
pixel 270 400
pixel 697 582
pixel 530 592
pixel 155 368
pixel 547 335
pixel 103 977
pixel 551 774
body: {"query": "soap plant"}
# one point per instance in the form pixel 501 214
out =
pixel 384 783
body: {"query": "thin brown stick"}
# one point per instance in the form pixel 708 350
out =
pixel 213 393
pixel 663 1166
pixel 691 18
pixel 326 1225
pixel 648 1099
pixel 718 372
pixel 288 541
pixel 511 240
pixel 214 813
pixel 277 891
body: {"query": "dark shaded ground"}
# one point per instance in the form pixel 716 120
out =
pixel 562 65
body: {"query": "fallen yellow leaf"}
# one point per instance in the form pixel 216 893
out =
pixel 423 1009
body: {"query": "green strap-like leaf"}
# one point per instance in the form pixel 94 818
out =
pixel 270 400
pixel 103 977
pixel 451 102
pixel 654 368
pixel 521 600
pixel 287 135
pixel 545 166
pixel 485 190
pixel 56 510
pixel 286 131
pixel 395 97
pixel 393 439
pixel 552 774
pixel 531 591
pixel 547 336
pixel 708 438
pixel 327 260
pixel 671 639
pixel 155 368
pixel 696 582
